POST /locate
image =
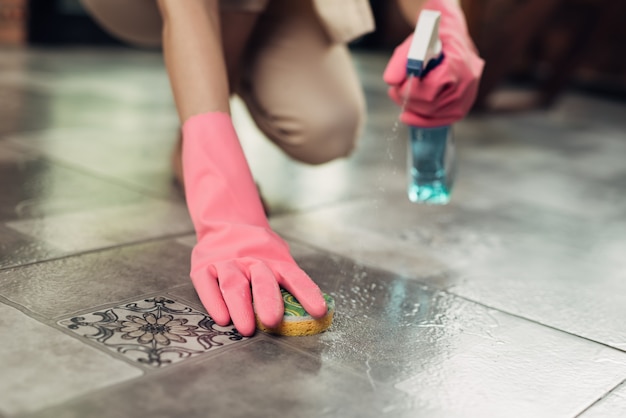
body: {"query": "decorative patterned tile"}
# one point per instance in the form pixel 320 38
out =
pixel 157 331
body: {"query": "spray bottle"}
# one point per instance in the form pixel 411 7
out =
pixel 431 154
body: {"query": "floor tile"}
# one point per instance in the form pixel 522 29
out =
pixel 417 241
pixel 453 357
pixel 156 331
pixel 62 287
pixel 107 227
pixel 589 303
pixel 101 88
pixel 612 406
pixel 33 186
pixel 59 367
pixel 544 265
pixel 17 249
pixel 260 379
pixel 49 210
pixel 550 183
pixel 506 302
pixel 135 156
pixel 21 109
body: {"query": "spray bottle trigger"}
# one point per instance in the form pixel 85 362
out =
pixel 425 51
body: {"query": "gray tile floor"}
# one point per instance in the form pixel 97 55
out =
pixel 510 301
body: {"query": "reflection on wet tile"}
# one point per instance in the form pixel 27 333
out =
pixel 491 380
pixel 157 331
pixel 453 357
pixel 17 249
pixel 33 186
pixel 612 406
pixel 536 263
pixel 42 366
pixel 136 157
pixel 86 87
pixel 364 230
pixel 263 379
pixel 423 324
pixel 589 303
pixel 48 210
pixel 73 284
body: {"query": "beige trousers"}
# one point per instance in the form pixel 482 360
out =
pixel 300 86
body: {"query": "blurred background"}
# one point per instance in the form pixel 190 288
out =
pixel 542 46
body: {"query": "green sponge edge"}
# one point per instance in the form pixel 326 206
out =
pixel 294 310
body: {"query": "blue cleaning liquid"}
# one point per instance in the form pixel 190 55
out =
pixel 431 165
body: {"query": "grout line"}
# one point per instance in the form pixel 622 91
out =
pixel 601 398
pixel 101 249
pixel 448 289
pixel 148 374
pixel 52 323
pixel 536 322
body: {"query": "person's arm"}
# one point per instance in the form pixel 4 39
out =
pixel 238 259
pixel 192 47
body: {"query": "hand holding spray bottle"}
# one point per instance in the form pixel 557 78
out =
pixel 431 154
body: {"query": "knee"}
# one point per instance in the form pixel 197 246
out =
pixel 322 134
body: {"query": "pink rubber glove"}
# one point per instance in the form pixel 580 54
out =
pixel 238 258
pixel 446 93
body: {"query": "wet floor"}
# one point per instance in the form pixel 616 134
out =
pixel 510 301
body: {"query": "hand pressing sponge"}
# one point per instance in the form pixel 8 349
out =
pixel 297 322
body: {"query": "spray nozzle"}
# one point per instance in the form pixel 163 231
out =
pixel 425 50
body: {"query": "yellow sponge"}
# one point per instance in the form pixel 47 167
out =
pixel 297 322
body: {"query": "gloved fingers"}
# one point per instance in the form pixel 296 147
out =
pixel 420 96
pixel 435 86
pixel 414 110
pixel 205 282
pixel 430 105
pixel 413 119
pixel 395 72
pixel 300 285
pixel 436 116
pixel 268 302
pixel 235 288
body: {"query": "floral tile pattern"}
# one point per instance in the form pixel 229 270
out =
pixel 156 331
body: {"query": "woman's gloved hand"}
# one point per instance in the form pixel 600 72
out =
pixel 446 94
pixel 238 259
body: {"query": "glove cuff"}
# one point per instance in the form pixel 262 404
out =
pixel 218 183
